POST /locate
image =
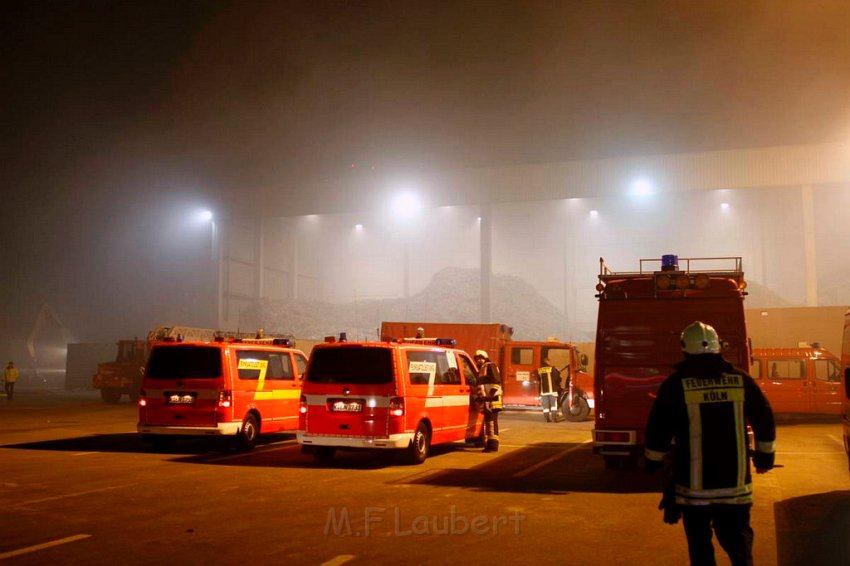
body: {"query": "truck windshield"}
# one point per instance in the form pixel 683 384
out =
pixel 182 362
pixel 359 366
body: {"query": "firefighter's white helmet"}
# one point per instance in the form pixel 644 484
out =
pixel 482 354
pixel 700 338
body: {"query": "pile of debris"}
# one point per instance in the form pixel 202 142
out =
pixel 453 295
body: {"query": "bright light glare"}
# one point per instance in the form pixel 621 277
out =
pixel 724 205
pixel 358 226
pixel 642 187
pixel 406 204
pixel 205 215
pixel 594 213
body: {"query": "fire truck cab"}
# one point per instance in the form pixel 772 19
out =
pixel 407 395
pixel 641 318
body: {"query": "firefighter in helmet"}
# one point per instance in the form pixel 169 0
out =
pixel 550 388
pixel 701 413
pixel 490 396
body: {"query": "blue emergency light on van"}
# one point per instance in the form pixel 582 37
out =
pixel 669 262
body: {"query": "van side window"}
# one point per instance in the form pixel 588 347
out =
pixel 280 367
pixel 451 375
pixel 300 364
pixel 827 370
pixel 755 369
pixel 787 369
pixel 469 373
pixel 424 367
pixel 522 356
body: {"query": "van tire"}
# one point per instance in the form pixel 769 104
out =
pixel 247 437
pixel 579 410
pixel 419 447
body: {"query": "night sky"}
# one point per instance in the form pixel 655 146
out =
pixel 118 117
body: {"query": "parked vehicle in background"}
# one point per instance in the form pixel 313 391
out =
pixel 845 385
pixel 407 396
pixel 122 376
pixel 222 388
pixel 518 361
pixel 641 318
pixel 799 380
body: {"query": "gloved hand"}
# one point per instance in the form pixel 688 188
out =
pixel 672 513
pixel 763 461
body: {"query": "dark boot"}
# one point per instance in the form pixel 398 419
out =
pixel 546 416
pixel 492 445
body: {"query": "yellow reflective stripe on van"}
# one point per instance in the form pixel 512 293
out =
pixel 277 394
pixel 261 365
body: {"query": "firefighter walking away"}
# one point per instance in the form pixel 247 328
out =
pixel 550 389
pixel 490 396
pixel 701 413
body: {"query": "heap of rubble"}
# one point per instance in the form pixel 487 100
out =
pixel 453 295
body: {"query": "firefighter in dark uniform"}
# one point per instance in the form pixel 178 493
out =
pixel 490 396
pixel 550 388
pixel 705 406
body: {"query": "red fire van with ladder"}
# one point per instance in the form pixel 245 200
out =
pixel 641 317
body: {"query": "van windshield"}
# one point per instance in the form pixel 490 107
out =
pixel 357 366
pixel 182 362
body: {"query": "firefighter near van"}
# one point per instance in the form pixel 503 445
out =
pixel 489 398
pixel 701 414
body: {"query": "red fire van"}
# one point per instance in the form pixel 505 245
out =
pixel 236 388
pixel 407 395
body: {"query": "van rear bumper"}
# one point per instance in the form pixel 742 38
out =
pixel 222 429
pixel 401 440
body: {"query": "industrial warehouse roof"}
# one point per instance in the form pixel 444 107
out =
pixel 815 164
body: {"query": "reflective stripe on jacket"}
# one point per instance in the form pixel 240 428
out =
pixel 550 380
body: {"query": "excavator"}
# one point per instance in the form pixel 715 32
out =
pixel 45 314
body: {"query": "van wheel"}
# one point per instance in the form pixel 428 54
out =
pixel 247 437
pixel 417 452
pixel 324 454
pixel 576 412
pixel 110 396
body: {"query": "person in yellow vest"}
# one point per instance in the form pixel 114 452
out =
pixel 550 387
pixel 10 377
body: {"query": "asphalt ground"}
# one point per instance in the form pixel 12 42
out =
pixel 79 486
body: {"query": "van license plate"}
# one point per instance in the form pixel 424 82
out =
pixel 177 399
pixel 347 407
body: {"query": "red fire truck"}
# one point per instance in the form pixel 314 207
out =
pixel 845 384
pixel 517 360
pixel 641 317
